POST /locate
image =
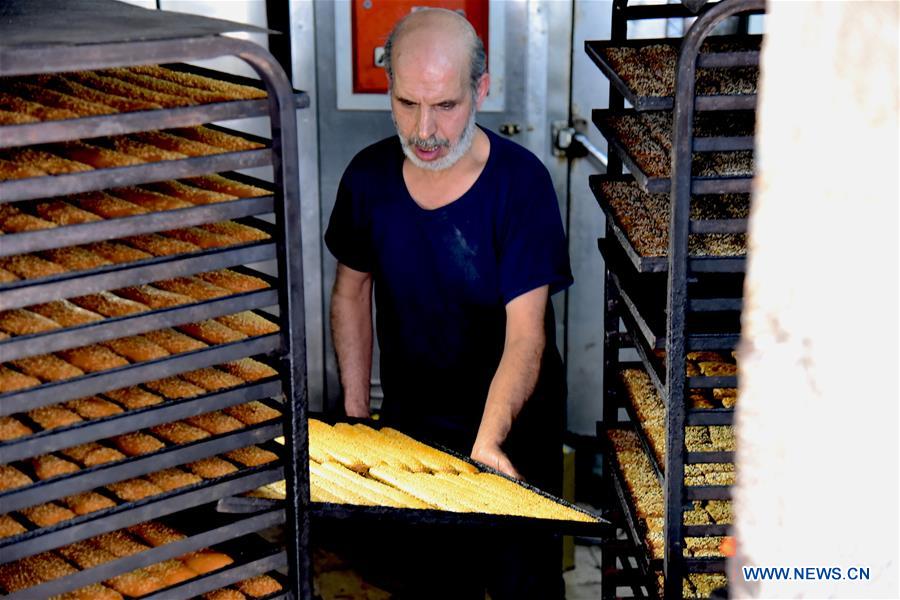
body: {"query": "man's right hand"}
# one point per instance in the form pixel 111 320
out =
pixel 357 408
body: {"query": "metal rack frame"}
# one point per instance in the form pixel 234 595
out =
pixel 650 326
pixel 287 347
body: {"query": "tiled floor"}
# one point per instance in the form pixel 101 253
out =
pixel 583 582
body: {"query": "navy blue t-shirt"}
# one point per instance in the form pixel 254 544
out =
pixel 442 277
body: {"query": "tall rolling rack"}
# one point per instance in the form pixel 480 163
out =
pixel 674 282
pixel 125 39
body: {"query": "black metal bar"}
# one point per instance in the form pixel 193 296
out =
pixel 707 530
pixel 94 383
pixel 78 283
pixel 717 416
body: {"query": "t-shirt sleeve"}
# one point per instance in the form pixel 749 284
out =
pixel 347 235
pixel 533 250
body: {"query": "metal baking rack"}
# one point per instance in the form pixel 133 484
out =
pixel 228 535
pixel 172 41
pixel 677 301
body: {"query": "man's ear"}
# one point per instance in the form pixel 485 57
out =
pixel 481 91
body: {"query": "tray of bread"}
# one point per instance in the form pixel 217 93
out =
pixel 169 557
pixel 144 157
pixel 707 522
pixel 640 222
pixel 60 107
pixel 100 216
pixel 36 381
pixel 639 140
pixel 643 71
pixel 356 469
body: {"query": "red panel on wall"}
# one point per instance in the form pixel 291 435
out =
pixel 372 21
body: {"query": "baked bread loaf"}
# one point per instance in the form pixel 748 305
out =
pixel 193 288
pixel 10 527
pixel 11 478
pixel 233 90
pixel 253 412
pixel 118 543
pixel 135 489
pixel 153 296
pixel 106 205
pixel 12 220
pixel 249 323
pixel 159 245
pixel 251 456
pixel 214 137
pixel 19 105
pixel 53 416
pixel 48 466
pixel 6 276
pixel 142 150
pixel 113 85
pixel 206 560
pixel 47 515
pixel 172 479
pixel 65 313
pixel 12 428
pixel 48 162
pixel 32 570
pixel 87 502
pixel 109 305
pixel 136 443
pixel 47 367
pixel 171 572
pixel 75 258
pixel 14 170
pixel 211 467
pixel 30 266
pixel 16 118
pixel 91 454
pixel 175 143
pixel 194 195
pixel 212 379
pixel 174 341
pixel 116 252
pixel 133 397
pixel 49 97
pixel 200 237
pixel 215 422
pixel 93 358
pixel 212 332
pixel 62 212
pixel 19 321
pixel 259 586
pixel 136 583
pixel 233 281
pixel 95 156
pixel 136 348
pixel 152 201
pixel 162 86
pixel 237 231
pixel 120 103
pixel 94 591
pixel 11 380
pixel 224 594
pixel 178 432
pixel 248 369
pixel 217 183
pixel 175 388
pixel 156 533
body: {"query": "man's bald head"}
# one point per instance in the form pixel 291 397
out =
pixel 436 29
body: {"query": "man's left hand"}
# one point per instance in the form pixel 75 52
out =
pixel 492 456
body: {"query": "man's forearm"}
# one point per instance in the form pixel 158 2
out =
pixel 351 327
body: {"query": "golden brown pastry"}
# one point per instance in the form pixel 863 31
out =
pixel 11 380
pixel 144 151
pixel 192 287
pixel 32 570
pixel 65 313
pixel 48 162
pixel 30 266
pixel 136 443
pixel 64 213
pixel 14 170
pixel 85 555
pixel 48 466
pixel 259 586
pixel 133 397
pixel 87 502
pixel 251 456
pixel 174 341
pixel 47 367
pixel 96 156
pixel 248 369
pixel 15 221
pixel 92 454
pixel 94 591
pixel 212 332
pixel 135 489
pixel 120 103
pixel 153 296
pixel 136 348
pixel 252 412
pixel 18 104
pixel 249 322
pixel 171 572
pixel 214 137
pixel 119 543
pixel 75 258
pixel 139 582
pixel 215 422
pixel 153 201
pixel 16 118
pixel 19 321
pixel 167 141
pixel 6 276
pixel 113 85
pixel 234 281
pixel 10 527
pixel 93 358
pixel 172 479
pixel 162 86
pixel 212 379
pixel 48 97
pixel 211 467
pixel 224 594
pixel 156 533
pixel 109 305
pixel 11 477
pixel 116 252
pixel 237 231
pixel 178 432
pixel 217 183
pixel 235 91
pixel 175 388
pixel 11 428
pixel 200 237
pixel 93 407
pixel 51 417
pixel 159 245
pixel 194 195
pixel 45 515
pixel 206 560
pixel 106 205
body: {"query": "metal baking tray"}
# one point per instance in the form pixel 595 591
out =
pixel 86 526
pixel 129 122
pixel 102 381
pixel 203 527
pixel 660 264
pixel 709 127
pixel 83 233
pixel 116 327
pixel 746 57
pixel 25 292
pixel 706 331
pixel 661 184
pixel 46 186
pixel 50 440
pixel 172 455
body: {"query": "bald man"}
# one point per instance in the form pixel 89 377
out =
pixel 458 231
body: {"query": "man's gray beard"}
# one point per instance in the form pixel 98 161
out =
pixel 457 151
